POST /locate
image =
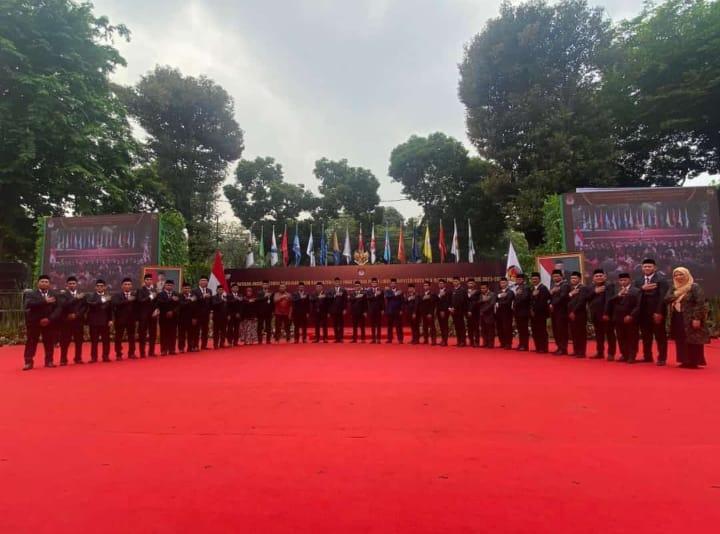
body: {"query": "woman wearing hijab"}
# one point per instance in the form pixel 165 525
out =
pixel 688 313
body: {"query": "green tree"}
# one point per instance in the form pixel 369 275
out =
pixel 65 143
pixel 193 136
pixel 387 215
pixel 529 82
pixel 346 190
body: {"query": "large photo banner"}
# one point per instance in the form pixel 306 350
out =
pixel 616 228
pixel 107 246
pixel 405 273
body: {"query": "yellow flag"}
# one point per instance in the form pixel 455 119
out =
pixel 427 249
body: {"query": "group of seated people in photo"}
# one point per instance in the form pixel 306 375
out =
pixel 621 316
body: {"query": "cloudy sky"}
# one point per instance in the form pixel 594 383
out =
pixel 312 78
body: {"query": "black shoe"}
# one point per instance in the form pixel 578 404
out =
pixel 632 360
pixel 93 360
pixel 541 351
pixel 443 344
pixel 49 364
pixel 27 366
pixel 599 357
pixel 316 341
pixel 106 360
pixel 579 355
pixel 660 363
pixel 63 363
pixel 132 357
pixel 611 358
pixel 172 353
pixel 522 349
pixel 118 358
pixel 78 362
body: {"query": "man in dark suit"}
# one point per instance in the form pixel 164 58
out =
pixel 600 294
pixel 473 313
pixel 411 312
pixel 338 309
pixel 486 315
pixel 458 308
pixel 71 325
pixel 99 319
pixel 393 311
pixel 219 317
pixel 204 295
pixel 320 304
pixel 539 313
pixel 168 304
pixel 124 318
pixel 504 314
pixel 426 313
pixel 559 311
pixel 300 313
pixel 358 311
pixel 235 311
pixel 624 309
pixel 577 314
pixel 188 311
pixel 522 303
pixel 375 306
pixel 265 306
pixel 444 302
pixel 42 314
pixel 654 286
pixel 147 312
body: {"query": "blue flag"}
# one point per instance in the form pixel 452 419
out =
pixel 415 251
pixel 297 252
pixel 387 254
pixel 323 247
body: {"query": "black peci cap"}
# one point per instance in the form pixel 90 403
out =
pixel 598 271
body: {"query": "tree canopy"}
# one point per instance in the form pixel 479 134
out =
pixel 346 190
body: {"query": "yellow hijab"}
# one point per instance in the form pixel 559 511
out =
pixel 680 290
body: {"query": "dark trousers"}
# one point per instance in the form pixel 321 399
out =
pixel 523 324
pixel 358 323
pixel 121 329
pixel 604 330
pixel 487 329
pixel 168 336
pixel 264 327
pixel 444 323
pixel 539 333
pixel 300 326
pixel 415 328
pixel 428 329
pixel 503 322
pixel 321 324
pixel 394 322
pixel 233 330
pixel 99 334
pixel 203 331
pixel 147 334
pixel 560 330
pixel 578 333
pixel 219 331
pixel 649 330
pixel 459 324
pixel 375 323
pixel 627 337
pixel 473 329
pixel 187 336
pixel 282 324
pixel 34 333
pixel 339 326
pixel 71 332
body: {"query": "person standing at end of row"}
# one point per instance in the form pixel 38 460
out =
pixel 688 319
pixel 42 314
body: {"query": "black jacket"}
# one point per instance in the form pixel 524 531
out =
pixel 428 304
pixel 320 303
pixel 124 308
pixel 339 300
pixel 358 302
pixel 598 302
pixel 375 300
pixel 444 299
pixel 188 309
pixel 219 306
pixel 459 300
pixel 623 305
pixel 522 302
pixel 540 301
pixel 204 304
pixel 486 306
pixel 73 305
pixel 168 306
pixel 265 304
pixel 236 305
pixel 300 304
pixel 99 313
pixel 410 305
pixel 36 308
pixel 145 304
pixel 504 301
pixel 559 298
pixel 653 300
pixel 577 303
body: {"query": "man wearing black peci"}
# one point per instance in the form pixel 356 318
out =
pixel 522 303
pixel 504 313
pixel 486 315
pixel 458 308
pixel 235 311
pixel 393 311
pixel 539 312
pixel 204 295
pixel 577 314
pixel 168 302
pixel 42 313
pixel 600 294
pixel 147 316
pixel 375 305
pixel 71 325
pixel 99 319
pixel 473 313
pixel 654 287
pixel 219 317
pixel 338 309
pixel 320 305
pixel 559 311
pixel 426 313
pixel 300 313
pixel 624 309
pixel 187 320
pixel 444 302
pixel 265 306
pixel 124 318
pixel 358 311
pixel 411 312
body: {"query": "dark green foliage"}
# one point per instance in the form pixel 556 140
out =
pixel 346 190
pixel 173 240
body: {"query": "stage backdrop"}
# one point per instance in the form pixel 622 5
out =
pixel 405 274
pixel 617 228
pixel 105 246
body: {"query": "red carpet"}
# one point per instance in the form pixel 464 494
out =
pixel 359 439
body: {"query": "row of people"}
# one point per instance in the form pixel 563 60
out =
pixel 478 315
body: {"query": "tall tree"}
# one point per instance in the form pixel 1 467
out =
pixel 65 144
pixel 193 136
pixel 346 190
pixel 529 82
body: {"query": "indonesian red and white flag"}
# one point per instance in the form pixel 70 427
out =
pixel 373 246
pixel 217 275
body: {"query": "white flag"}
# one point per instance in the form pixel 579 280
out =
pixel 250 257
pixel 455 248
pixel 471 245
pixel 346 248
pixel 273 249
pixel 373 246
pixel 512 268
pixel 311 249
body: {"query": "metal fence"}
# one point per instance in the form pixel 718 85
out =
pixel 12 317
